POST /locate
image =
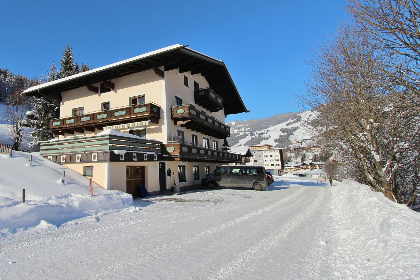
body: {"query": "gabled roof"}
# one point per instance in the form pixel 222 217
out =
pixel 172 57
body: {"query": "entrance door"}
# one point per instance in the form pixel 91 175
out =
pixel 135 177
pixel 162 176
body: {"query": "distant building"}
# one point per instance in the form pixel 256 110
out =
pixel 267 156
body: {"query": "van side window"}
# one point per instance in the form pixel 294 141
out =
pixel 252 171
pixel 236 171
pixel 223 170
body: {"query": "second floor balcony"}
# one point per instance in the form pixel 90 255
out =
pixel 197 120
pixel 98 120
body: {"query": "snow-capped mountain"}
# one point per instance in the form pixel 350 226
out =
pixel 280 131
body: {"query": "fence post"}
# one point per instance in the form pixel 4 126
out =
pixel 64 175
pixel 23 195
pixel 30 159
pixel 91 177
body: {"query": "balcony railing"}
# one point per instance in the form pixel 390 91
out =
pixel 198 120
pixel 181 151
pixel 207 98
pixel 99 143
pixel 146 111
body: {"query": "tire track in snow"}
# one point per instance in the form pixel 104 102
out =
pixel 150 258
pixel 244 260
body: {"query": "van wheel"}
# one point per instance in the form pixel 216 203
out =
pixel 257 186
pixel 211 185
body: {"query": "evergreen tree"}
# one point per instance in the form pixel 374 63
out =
pixel 46 109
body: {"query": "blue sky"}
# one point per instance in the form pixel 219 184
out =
pixel 264 44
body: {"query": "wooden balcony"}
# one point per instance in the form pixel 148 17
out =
pixel 207 98
pixel 88 122
pixel 178 151
pixel 104 148
pixel 197 120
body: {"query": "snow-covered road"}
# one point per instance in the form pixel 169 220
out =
pixel 287 232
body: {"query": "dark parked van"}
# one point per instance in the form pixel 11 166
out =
pixel 237 176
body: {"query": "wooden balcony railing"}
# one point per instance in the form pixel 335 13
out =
pixel 188 152
pixel 198 120
pixel 207 98
pixel 88 122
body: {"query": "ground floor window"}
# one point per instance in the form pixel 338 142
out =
pixel 86 171
pixel 196 173
pixel 181 174
pixel 207 170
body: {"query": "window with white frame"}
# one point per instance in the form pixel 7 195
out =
pixel 215 145
pixel 206 142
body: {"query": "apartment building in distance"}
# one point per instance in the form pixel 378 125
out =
pixel 152 121
pixel 267 156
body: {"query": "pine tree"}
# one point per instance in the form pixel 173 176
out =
pixel 46 109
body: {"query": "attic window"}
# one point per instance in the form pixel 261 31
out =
pixel 186 81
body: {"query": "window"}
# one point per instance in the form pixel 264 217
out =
pixel 127 172
pixel 121 156
pixel 186 81
pixel 105 106
pixel 180 135
pixel 134 157
pixel 103 88
pixel 137 100
pixel 221 170
pixel 215 145
pixel 181 174
pixel 206 143
pixel 78 111
pixel 196 173
pixel 195 140
pixel 236 171
pixel 86 171
pixel 178 101
pixel 196 86
pixel 138 132
pixel 207 170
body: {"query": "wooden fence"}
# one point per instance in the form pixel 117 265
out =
pixel 7 149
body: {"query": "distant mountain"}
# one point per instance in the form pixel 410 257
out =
pixel 280 131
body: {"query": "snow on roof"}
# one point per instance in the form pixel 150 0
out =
pixel 240 150
pixel 126 61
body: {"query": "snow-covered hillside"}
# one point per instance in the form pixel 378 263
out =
pixel 279 131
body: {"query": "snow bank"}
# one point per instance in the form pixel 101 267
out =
pixel 49 201
pixel 374 234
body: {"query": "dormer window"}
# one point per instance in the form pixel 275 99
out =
pixel 78 111
pixel 137 100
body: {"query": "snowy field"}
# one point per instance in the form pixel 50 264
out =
pixel 297 229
